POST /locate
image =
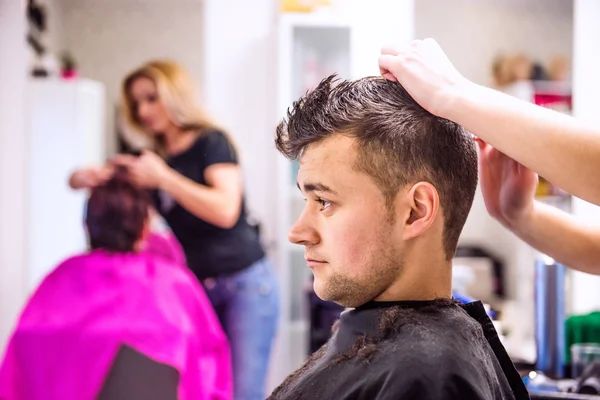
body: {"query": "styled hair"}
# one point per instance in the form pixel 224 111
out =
pixel 176 91
pixel 398 143
pixel 117 213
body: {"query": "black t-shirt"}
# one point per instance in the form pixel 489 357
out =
pixel 431 350
pixel 210 250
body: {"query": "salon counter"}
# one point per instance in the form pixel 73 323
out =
pixel 561 396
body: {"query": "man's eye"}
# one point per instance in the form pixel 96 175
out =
pixel 324 204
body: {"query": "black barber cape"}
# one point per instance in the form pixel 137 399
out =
pixel 421 350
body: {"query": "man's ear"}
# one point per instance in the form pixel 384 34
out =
pixel 424 202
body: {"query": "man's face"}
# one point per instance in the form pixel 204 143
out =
pixel 350 239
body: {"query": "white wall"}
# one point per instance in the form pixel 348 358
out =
pixel 240 65
pixel 473 32
pixel 54 37
pixel 586 85
pixel 13 161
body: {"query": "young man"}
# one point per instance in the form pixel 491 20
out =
pixel 388 188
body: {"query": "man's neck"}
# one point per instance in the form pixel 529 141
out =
pixel 424 279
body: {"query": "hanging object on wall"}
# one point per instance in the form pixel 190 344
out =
pixel 68 66
pixel 37 25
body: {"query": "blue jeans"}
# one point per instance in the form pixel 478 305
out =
pixel 247 303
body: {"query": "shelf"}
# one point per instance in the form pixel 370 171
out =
pixel 553 198
pixel 295 165
pixel 294 248
pixel 300 275
pixel 318 52
pixel 315 20
pixel 296 195
pixel 299 342
pixel 299 326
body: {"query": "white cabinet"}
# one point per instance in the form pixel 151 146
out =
pixel 585 291
pixel 65 122
pixel 310 48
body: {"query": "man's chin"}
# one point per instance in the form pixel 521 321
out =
pixel 324 292
pixel 323 289
pixel 320 288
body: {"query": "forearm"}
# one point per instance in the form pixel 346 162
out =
pixel 206 203
pixel 86 178
pixel 559 235
pixel 74 182
pixel 558 147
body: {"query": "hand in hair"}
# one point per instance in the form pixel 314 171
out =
pixel 91 177
pixel 147 170
pixel 508 187
pixel 534 136
pixel 425 72
pixel 508 191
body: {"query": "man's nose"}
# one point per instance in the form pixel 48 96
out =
pixel 303 232
pixel 143 110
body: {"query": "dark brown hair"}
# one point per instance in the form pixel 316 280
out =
pixel 398 142
pixel 116 214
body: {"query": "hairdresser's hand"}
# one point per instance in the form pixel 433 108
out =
pixel 147 171
pixel 508 187
pixel 425 72
pixel 88 178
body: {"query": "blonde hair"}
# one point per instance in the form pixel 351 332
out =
pixel 176 91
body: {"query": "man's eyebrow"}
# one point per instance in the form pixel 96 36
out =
pixel 315 187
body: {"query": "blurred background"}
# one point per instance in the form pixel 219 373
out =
pixel 251 59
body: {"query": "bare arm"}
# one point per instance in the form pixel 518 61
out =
pixel 558 147
pixel 561 236
pixel 86 178
pixel 219 203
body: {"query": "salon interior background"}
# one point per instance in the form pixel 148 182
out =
pixel 230 46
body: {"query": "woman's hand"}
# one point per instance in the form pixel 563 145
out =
pixel 89 178
pixel 425 72
pixel 147 170
pixel 508 187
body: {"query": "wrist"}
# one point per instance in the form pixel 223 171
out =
pixel 520 223
pixel 455 99
pixel 75 180
pixel 165 178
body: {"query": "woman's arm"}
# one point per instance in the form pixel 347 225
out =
pixel 558 147
pixel 219 203
pixel 561 236
pixel 90 177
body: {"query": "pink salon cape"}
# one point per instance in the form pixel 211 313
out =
pixel 83 312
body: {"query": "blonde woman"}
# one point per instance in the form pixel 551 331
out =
pixel 192 168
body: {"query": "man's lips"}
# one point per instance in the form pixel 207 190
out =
pixel 311 262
